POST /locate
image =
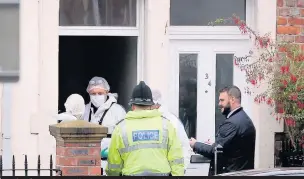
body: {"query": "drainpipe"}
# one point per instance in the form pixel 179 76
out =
pixel 6 127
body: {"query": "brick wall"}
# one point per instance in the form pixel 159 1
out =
pixel 290 21
pixel 78 147
pixel 78 159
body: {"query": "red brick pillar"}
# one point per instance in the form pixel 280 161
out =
pixel 78 147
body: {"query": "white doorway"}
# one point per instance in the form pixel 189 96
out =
pixel 200 69
pixel 105 33
pixel 83 57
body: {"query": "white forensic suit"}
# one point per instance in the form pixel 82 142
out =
pixel 108 112
pixel 74 108
pixel 187 150
pixel 181 133
pixel 103 109
pixel 114 114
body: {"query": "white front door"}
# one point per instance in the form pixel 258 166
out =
pixel 200 68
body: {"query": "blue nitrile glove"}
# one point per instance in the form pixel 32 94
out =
pixel 104 153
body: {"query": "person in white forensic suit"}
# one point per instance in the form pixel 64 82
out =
pixel 187 151
pixel 103 108
pixel 74 109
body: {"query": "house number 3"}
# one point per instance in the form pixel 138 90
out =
pixel 206 76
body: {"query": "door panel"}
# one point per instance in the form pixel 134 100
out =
pixel 187 103
pixel 224 78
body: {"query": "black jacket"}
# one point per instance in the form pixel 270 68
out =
pixel 237 137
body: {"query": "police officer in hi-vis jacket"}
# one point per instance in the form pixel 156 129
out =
pixel 144 143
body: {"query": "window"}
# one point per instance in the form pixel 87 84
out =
pixel 188 92
pixel 224 77
pixel 98 13
pixel 9 38
pixel 201 12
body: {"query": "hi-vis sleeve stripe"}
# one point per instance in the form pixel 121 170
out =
pixel 114 166
pixel 177 161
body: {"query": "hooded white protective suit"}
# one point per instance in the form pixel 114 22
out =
pixel 114 112
pixel 74 108
pixel 178 126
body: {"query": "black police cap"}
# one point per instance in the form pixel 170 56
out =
pixel 142 95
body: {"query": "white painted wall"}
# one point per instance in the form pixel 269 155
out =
pixel 266 124
pixel 157 45
pixel 48 76
pixel 34 97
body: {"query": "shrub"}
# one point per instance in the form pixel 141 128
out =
pixel 281 65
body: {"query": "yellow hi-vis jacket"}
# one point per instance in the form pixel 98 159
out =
pixel 145 144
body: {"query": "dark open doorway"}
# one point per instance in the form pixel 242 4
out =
pixel 83 57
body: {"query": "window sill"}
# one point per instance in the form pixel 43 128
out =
pixel 206 32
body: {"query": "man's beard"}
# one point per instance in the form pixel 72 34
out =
pixel 227 110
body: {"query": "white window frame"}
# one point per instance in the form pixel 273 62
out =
pixel 216 32
pixel 137 31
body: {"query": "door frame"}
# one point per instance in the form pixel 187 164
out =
pixel 206 64
pixel 137 31
pixel 203 33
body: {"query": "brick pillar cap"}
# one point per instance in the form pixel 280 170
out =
pixel 78 130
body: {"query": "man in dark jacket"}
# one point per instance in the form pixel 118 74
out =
pixel 236 135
